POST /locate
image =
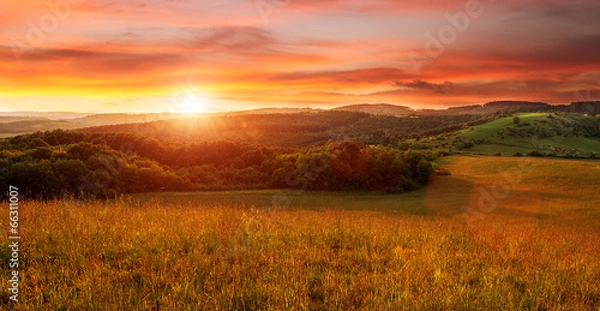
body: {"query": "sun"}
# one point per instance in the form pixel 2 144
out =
pixel 194 105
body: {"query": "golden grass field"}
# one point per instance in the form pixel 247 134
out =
pixel 479 240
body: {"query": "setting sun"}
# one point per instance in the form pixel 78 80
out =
pixel 194 104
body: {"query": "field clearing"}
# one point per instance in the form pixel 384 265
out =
pixel 498 234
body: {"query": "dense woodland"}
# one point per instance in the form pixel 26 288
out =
pixel 67 167
pixel 105 163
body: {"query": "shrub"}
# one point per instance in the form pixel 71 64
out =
pixel 535 153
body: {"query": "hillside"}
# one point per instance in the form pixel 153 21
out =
pixel 25 123
pixel 516 105
pixel 298 129
pixel 14 123
pixel 496 107
pixel 567 135
pixel 508 106
pixel 378 109
pixel 19 115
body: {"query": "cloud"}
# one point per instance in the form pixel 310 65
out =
pixel 237 39
pixel 326 51
pixel 365 75
pixel 442 88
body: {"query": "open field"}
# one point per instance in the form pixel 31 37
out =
pixel 498 234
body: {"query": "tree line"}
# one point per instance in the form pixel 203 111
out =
pixel 99 165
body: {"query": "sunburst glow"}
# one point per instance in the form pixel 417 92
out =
pixel 194 104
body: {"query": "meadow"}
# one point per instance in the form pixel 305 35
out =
pixel 499 233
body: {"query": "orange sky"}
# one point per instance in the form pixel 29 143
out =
pixel 180 55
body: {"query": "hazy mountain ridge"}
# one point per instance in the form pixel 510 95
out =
pixel 58 115
pixel 14 123
pixel 33 122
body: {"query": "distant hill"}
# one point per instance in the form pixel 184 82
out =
pixel 516 105
pixel 490 107
pixel 296 129
pixel 42 115
pixel 34 125
pixel 271 111
pixel 14 123
pixel 378 109
pixel 33 122
pixel 465 109
pixel 476 109
pixel 508 106
pixel 588 107
pixel 120 118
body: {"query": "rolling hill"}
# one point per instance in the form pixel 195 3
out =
pixel 24 123
pixel 568 135
pixel 15 123
pixel 378 109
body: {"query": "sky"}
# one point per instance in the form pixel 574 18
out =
pixel 152 56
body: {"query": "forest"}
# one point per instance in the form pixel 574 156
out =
pixel 98 164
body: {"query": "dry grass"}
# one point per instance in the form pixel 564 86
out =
pixel 223 258
pixel 152 256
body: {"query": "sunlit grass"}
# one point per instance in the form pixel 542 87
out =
pixel 219 257
pixel 536 251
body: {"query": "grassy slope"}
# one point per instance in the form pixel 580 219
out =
pixel 486 130
pixel 512 145
pixel 535 249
